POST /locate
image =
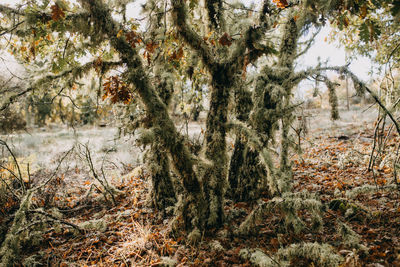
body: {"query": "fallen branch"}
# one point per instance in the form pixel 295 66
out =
pixel 57 219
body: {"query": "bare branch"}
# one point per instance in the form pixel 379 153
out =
pixel 309 43
pixel 19 178
pixel 9 10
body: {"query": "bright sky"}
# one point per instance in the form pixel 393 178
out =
pixel 320 49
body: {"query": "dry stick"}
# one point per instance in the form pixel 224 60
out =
pixel 395 164
pixel 372 158
pixel 29 175
pixel 10 171
pixel 384 108
pixel 95 175
pixel 56 219
pixel 387 137
pixel 56 170
pixel 9 188
pixel 21 181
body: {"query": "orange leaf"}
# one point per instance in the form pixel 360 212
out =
pixel 56 12
pixel 281 3
pixel 225 40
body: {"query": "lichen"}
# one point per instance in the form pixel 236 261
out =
pixel 319 254
pixel 94 225
pixel 258 258
pixel 366 189
pixel 216 246
pixel 167 262
pixel 289 205
pixel 194 237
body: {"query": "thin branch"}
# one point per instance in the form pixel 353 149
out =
pixel 104 182
pixel 12 29
pixel 9 188
pixel 309 43
pixel 9 10
pixel 77 71
pixel 57 219
pixel 20 179
pixel 362 85
pixel 56 170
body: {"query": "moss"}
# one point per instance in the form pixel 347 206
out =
pixel 333 99
pixel 167 262
pixel 247 176
pixel 258 258
pixel 10 248
pixel 216 246
pixel 320 254
pixel 194 237
pixel 366 189
pixel 162 192
pixel 215 13
pixel 289 205
pixel 33 261
pixel 349 237
pixel 94 225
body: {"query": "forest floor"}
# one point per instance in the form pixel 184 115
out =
pixel 334 161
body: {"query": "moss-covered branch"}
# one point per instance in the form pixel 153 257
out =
pixel 215 13
pixel 190 36
pixel 75 73
pixel 10 11
pixel 251 36
pixel 164 127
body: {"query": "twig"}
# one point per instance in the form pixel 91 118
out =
pixel 21 181
pixel 104 183
pixel 9 188
pixel 57 219
pixel 56 170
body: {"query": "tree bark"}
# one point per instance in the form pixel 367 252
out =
pixel 163 193
pixel 216 176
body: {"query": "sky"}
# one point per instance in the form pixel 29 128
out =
pixel 320 49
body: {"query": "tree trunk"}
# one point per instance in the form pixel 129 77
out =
pixel 215 177
pixel 246 174
pixel 163 193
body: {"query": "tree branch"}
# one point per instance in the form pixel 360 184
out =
pixel 9 10
pixel 76 72
pixel 309 43
pixel 190 36
pixel 215 14
pixel 251 36
pixel 155 108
